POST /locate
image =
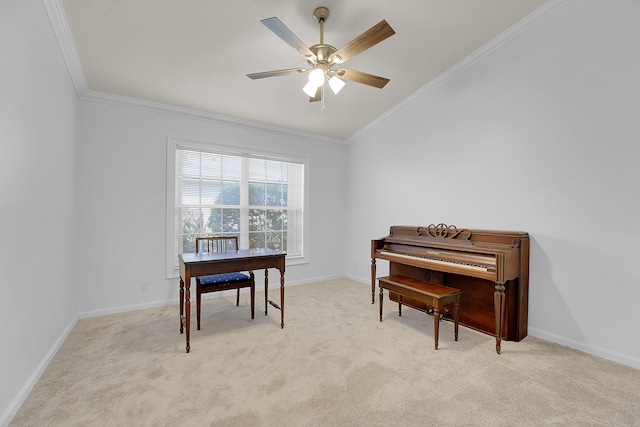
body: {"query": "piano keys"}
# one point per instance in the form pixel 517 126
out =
pixel 490 267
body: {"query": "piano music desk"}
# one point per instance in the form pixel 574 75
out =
pixel 432 294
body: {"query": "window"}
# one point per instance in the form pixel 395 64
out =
pixel 219 192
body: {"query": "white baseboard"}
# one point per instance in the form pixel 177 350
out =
pixel 174 301
pixel 614 356
pixel 126 308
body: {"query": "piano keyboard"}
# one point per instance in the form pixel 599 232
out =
pixel 456 264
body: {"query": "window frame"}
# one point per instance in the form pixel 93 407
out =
pixel 172 271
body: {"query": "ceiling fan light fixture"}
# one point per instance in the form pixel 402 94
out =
pixel 316 77
pixel 310 89
pixel 336 84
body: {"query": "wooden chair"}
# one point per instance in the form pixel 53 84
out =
pixel 226 281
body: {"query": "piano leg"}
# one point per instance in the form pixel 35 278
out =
pixel 499 307
pixel 456 317
pixel 436 325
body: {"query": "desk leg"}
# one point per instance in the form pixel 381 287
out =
pixel 267 301
pixel 187 309
pixel 266 291
pixel 373 280
pixel 381 299
pixel 181 305
pixel 281 299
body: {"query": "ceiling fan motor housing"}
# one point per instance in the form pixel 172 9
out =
pixel 324 53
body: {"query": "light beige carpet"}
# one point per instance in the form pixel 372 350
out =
pixel 334 364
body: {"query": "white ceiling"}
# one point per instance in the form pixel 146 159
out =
pixel 195 54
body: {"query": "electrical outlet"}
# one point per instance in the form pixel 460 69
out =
pixel 144 285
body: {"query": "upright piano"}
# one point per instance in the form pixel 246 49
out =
pixel 490 267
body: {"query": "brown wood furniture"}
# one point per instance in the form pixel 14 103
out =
pixel 491 268
pixel 222 282
pixel 206 263
pixel 431 294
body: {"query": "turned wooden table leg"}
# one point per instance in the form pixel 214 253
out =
pixel 381 298
pixel 187 310
pixel 266 291
pixel 373 280
pixel 181 305
pixel 281 299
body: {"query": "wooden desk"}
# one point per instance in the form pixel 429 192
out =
pixel 206 263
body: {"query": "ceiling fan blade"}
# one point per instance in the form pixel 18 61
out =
pixel 317 96
pixel 374 35
pixel 276 73
pixel 281 30
pixel 360 77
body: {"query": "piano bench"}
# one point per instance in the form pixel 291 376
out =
pixel 432 294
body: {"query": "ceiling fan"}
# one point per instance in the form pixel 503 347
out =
pixel 325 60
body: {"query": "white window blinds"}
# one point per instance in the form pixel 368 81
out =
pixel 259 199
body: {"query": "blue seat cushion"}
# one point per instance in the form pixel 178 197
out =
pixel 222 279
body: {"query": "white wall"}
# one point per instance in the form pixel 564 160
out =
pixel 37 167
pixel 122 198
pixel 542 135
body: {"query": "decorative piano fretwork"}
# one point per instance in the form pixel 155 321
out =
pixel 443 231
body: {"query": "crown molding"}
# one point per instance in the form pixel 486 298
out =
pixel 188 113
pixel 514 31
pixel 64 37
